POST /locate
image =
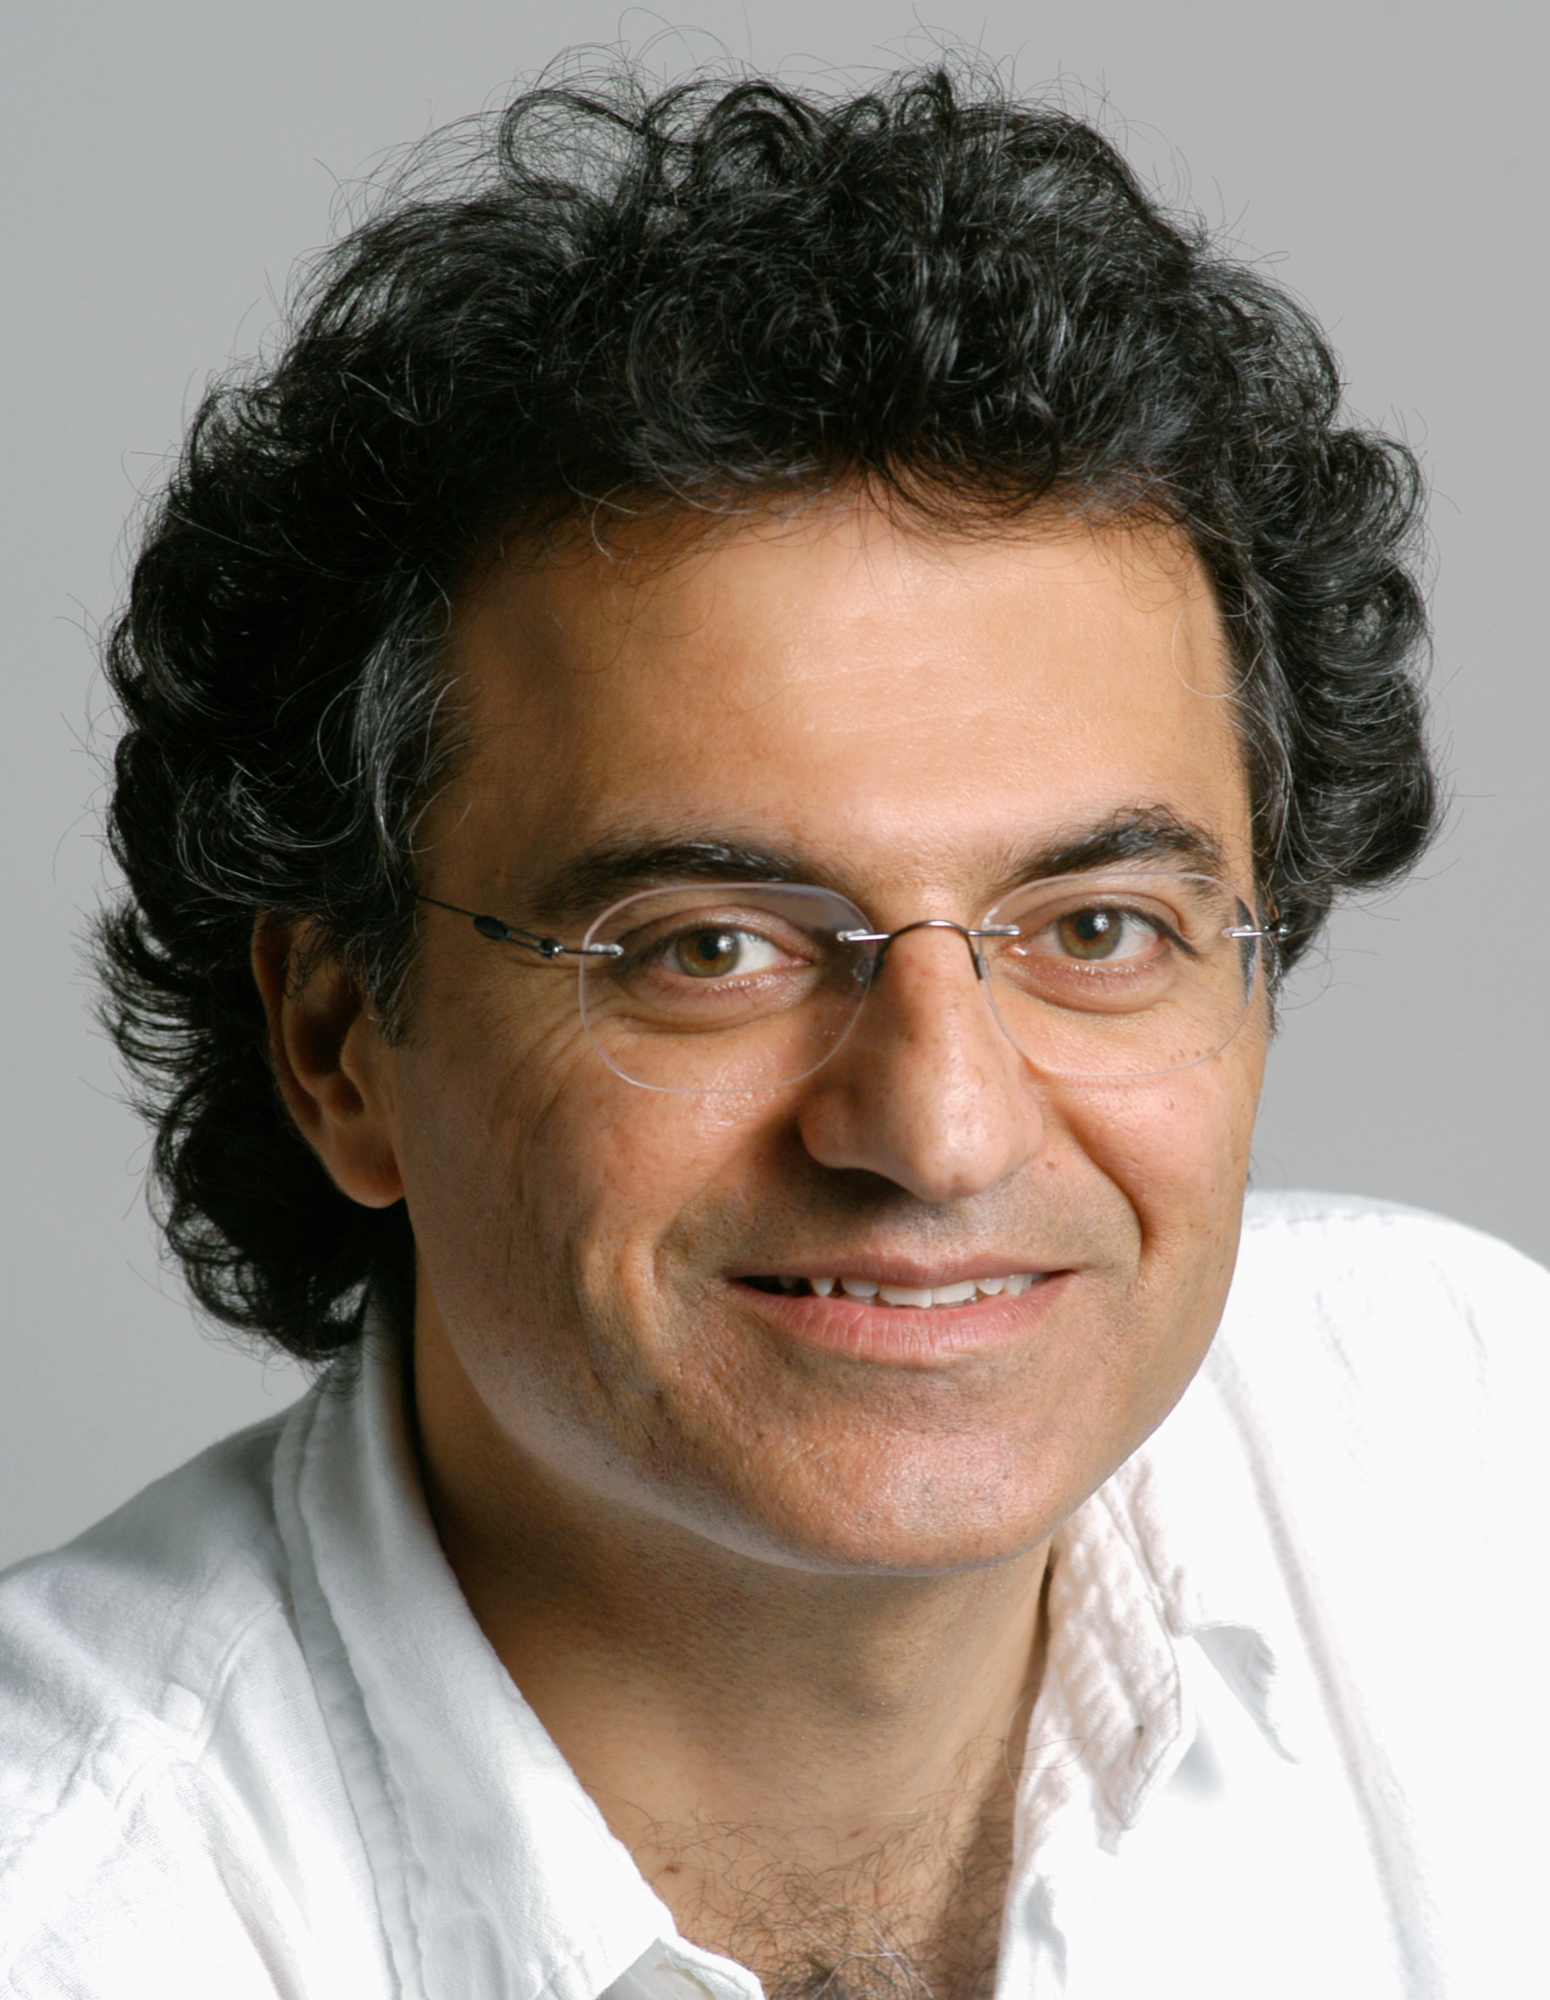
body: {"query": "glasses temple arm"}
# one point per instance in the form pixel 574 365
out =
pixel 500 932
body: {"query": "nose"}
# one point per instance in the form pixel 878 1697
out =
pixel 926 1091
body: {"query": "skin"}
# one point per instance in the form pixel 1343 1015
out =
pixel 765 1563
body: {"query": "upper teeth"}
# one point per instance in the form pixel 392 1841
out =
pixel 1013 1285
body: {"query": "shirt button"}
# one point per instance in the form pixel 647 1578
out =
pixel 678 1983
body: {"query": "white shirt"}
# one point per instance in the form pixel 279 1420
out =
pixel 1290 1739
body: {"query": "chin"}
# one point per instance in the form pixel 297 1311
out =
pixel 909 1520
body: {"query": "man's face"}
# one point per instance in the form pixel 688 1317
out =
pixel 904 715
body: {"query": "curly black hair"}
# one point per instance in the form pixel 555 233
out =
pixel 703 299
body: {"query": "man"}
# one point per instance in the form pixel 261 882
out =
pixel 723 757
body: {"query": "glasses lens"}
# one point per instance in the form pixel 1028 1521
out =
pixel 722 987
pixel 1116 975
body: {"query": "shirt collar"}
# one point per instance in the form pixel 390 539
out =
pixel 479 1833
pixel 1180 1531
pixel 1170 1550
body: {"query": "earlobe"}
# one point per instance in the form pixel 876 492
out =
pixel 330 1062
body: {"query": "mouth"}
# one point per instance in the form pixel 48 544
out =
pixel 899 1295
pixel 911 1317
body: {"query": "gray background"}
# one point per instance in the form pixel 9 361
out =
pixel 164 165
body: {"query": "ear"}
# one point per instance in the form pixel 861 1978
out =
pixel 332 1065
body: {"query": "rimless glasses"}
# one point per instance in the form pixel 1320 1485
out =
pixel 738 986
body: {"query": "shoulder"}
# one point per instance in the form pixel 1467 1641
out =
pixel 1365 1444
pixel 1388 1369
pixel 144 1609
pixel 1357 1276
pixel 1299 1216
pixel 158 1723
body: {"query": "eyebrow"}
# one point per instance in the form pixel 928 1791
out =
pixel 1137 833
pixel 613 869
pixel 603 874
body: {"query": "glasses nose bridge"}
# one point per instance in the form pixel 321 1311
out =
pixel 885 940
pixel 881 942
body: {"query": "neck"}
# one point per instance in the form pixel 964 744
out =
pixel 765 1739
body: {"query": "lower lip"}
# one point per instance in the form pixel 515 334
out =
pixel 866 1331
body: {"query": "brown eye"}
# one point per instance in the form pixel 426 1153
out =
pixel 1092 933
pixel 717 953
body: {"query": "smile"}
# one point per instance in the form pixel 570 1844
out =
pixel 871 1291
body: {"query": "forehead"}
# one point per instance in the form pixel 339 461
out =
pixel 918 702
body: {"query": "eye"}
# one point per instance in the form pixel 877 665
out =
pixel 1104 933
pixel 719 952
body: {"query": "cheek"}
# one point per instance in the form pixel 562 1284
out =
pixel 1177 1150
pixel 620 1169
pixel 475 1093
pixel 539 1182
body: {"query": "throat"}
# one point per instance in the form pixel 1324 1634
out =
pixel 915 1916
pixel 899 1897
